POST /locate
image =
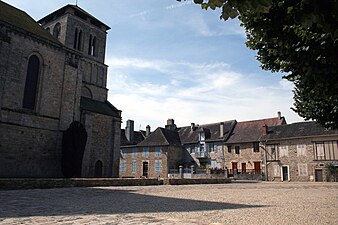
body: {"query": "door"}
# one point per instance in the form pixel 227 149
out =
pixel 319 175
pixel 145 169
pixel 285 173
pixel 257 167
pixel 98 169
pixel 243 168
pixel 234 167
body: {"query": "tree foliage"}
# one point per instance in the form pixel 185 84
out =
pixel 298 37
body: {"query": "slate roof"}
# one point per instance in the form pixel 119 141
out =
pixel 189 136
pixel 138 137
pixel 80 13
pixel 161 137
pixel 297 130
pixel 251 131
pixel 23 22
pixel 105 108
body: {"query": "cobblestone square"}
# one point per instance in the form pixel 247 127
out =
pixel 235 203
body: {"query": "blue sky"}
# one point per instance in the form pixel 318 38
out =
pixel 173 60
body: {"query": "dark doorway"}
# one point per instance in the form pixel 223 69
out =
pixel 234 167
pixel 243 168
pixel 145 169
pixel 98 168
pixel 257 167
pixel 285 170
pixel 319 175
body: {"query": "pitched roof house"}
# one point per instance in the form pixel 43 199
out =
pixel 300 152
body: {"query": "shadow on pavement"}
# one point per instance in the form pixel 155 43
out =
pixel 88 201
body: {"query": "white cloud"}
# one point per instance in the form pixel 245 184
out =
pixel 200 93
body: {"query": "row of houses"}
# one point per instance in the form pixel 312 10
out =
pixel 268 149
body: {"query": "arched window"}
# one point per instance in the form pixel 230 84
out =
pixel 85 92
pixel 48 29
pixel 29 98
pixel 77 39
pixel 98 169
pixel 57 30
pixel 92 45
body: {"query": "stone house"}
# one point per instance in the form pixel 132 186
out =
pixel 243 155
pixel 204 144
pixel 299 152
pixel 152 157
pixel 52 73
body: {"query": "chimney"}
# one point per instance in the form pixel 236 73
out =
pixel 221 129
pixel 279 115
pixel 147 130
pixel 266 129
pixel 170 124
pixel 130 130
pixel 192 126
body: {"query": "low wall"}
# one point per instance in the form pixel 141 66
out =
pixel 197 181
pixel 27 183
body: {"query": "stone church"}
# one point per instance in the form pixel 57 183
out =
pixel 52 73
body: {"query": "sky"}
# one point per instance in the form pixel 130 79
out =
pixel 170 59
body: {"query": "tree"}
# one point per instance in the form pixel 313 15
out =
pixel 297 37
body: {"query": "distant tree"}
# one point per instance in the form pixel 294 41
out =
pixel 297 37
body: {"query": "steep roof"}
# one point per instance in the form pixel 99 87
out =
pixel 161 137
pixel 23 22
pixel 251 131
pixel 77 11
pixel 189 135
pixel 138 137
pixel 297 130
pixel 105 108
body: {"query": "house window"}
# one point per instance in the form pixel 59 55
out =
pixel 284 151
pixel 57 30
pixel 123 152
pixel 134 152
pixel 145 151
pixel 272 152
pixel 229 148
pixel 158 151
pixel 301 150
pixel 123 166
pixel 158 165
pixel 302 169
pixel 31 85
pixel 255 146
pixel 237 149
pixel 134 166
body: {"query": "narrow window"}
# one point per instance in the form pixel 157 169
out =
pixel 302 169
pixel 301 150
pixel 94 47
pixel 134 166
pixel 98 168
pixel 237 149
pixel 75 38
pixel 134 152
pixel 29 98
pixel 229 148
pixel 123 166
pixel 79 41
pixel 158 165
pixel 123 152
pixel 256 146
pixel 145 151
pixel 57 30
pixel 90 45
pixel 158 151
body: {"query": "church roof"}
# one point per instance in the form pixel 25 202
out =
pixel 23 22
pixel 77 12
pixel 104 108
